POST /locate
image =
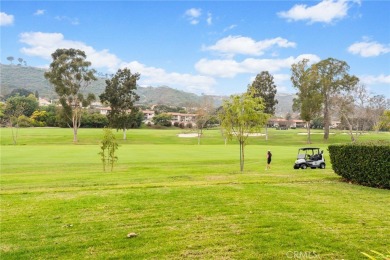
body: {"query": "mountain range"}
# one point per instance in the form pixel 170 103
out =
pixel 31 78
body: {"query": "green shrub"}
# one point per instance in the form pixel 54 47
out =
pixel 108 147
pixel 24 121
pixel 163 119
pixel 364 163
pixel 93 120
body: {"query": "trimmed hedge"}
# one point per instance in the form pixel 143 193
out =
pixel 364 163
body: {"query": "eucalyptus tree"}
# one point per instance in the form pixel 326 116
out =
pixel 359 110
pixel 377 105
pixel 121 96
pixel 264 87
pixel 12 114
pixel 19 92
pixel 29 104
pixel 345 106
pixel 332 77
pixel 384 122
pixel 10 59
pixel 204 114
pixel 242 115
pixel 309 100
pixel 70 74
pixel 17 108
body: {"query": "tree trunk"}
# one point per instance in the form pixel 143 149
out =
pixel 266 132
pixel 15 133
pixel 199 135
pixel 308 133
pixel 124 134
pixel 75 134
pixel 350 129
pixel 242 156
pixel 326 119
pixel 74 122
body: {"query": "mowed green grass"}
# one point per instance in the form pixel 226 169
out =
pixel 185 201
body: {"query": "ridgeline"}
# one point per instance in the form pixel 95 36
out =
pixel 31 78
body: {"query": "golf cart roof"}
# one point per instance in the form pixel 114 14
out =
pixel 309 148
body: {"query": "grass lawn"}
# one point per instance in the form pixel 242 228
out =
pixel 182 199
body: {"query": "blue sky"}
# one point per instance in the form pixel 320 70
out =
pixel 211 47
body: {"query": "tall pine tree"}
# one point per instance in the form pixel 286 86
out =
pixel 264 87
pixel 121 96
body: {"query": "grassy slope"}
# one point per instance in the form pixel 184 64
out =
pixel 184 200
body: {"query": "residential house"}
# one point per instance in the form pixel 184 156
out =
pixel 148 116
pixel 186 119
pixel 44 102
pixel 283 123
pixel 104 110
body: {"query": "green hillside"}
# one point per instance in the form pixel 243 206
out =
pixel 31 78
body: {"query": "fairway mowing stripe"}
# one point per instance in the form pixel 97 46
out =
pixel 164 185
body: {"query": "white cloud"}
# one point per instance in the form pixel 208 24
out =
pixel 371 80
pixel 281 81
pixel 73 21
pixel 326 11
pixel 376 84
pixel 193 15
pixel 229 68
pixel 39 12
pixel 369 48
pixel 219 68
pixel 231 27
pixel 44 44
pixel 6 19
pixel 209 19
pixel 152 76
pixel 244 45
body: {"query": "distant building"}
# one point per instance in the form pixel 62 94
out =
pixel 44 102
pixel 186 119
pixel 148 116
pixel 335 124
pixel 183 118
pixel 104 110
pixel 284 123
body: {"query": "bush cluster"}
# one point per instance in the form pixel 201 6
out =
pixel 364 163
pixel 93 120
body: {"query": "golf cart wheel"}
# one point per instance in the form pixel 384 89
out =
pixel 296 167
pixel 303 166
pixel 322 166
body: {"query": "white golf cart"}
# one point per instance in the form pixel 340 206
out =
pixel 310 157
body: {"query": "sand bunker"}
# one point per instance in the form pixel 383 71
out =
pixel 190 135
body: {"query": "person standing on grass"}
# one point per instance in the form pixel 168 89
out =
pixel 269 158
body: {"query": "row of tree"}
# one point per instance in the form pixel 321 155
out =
pixel 327 87
pixel 321 88
pixel 70 75
pixel 20 60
